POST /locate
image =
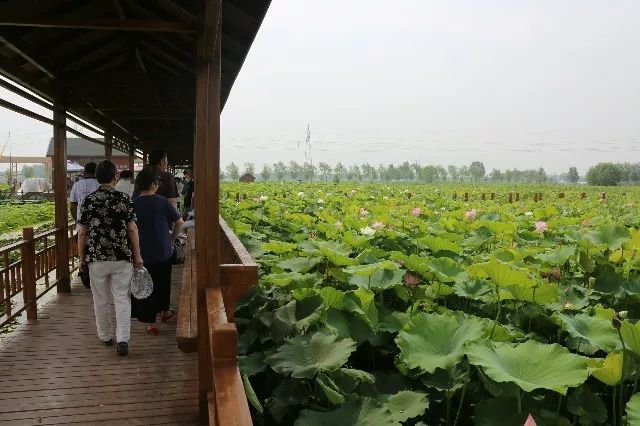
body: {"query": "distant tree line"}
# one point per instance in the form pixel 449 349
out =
pixel 611 174
pixel 405 172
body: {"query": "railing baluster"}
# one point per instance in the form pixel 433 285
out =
pixel 28 252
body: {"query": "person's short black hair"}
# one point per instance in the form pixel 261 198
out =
pixel 90 168
pixel 105 171
pixel 126 174
pixel 157 156
pixel 145 179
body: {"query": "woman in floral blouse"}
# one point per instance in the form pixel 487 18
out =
pixel 108 243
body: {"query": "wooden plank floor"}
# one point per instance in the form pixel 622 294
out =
pixel 54 371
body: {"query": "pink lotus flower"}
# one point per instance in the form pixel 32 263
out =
pixel 363 212
pixel 411 280
pixel 416 211
pixel 471 214
pixel 585 222
pixel 541 226
pixel 530 421
pixel 377 225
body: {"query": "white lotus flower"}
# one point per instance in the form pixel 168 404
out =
pixel 300 194
pixel 263 198
pixel 320 201
pixel 367 231
pixel 528 213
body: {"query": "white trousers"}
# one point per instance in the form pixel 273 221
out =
pixel 111 283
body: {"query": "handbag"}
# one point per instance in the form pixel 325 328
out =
pixel 141 283
pixel 178 252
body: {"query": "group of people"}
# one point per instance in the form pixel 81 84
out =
pixel 122 226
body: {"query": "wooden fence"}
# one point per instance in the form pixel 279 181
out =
pixel 26 268
pixel 227 403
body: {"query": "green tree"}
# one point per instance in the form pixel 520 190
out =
pixel 496 175
pixel 265 174
pixel 604 174
pixel 476 169
pixel 340 171
pixel 572 175
pixel 308 172
pixel 295 170
pixel 28 172
pixel 232 171
pixel 325 170
pixel 454 175
pixel 280 171
pixel 250 168
pixel 355 173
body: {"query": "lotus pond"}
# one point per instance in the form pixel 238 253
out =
pixel 387 305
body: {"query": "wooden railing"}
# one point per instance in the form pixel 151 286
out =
pixel 227 401
pixel 26 268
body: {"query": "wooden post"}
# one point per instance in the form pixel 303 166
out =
pixel 28 253
pixel 517 196
pixel 145 159
pixel 60 197
pixel 493 196
pixel 561 195
pixel 510 197
pixel 603 195
pixel 583 195
pixel 108 143
pixel 455 196
pixel 483 196
pixel 206 165
pixel 132 158
pixel 535 197
pixel 466 197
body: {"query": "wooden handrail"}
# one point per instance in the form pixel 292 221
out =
pixel 32 265
pixel 227 402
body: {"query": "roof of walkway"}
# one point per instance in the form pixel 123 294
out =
pixel 129 62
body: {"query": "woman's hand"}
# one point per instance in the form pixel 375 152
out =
pixel 137 262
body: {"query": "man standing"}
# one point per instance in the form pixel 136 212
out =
pixel 79 191
pixel 166 182
pixel 187 191
pixel 125 184
pixel 107 243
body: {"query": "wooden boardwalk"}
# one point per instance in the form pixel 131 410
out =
pixel 55 371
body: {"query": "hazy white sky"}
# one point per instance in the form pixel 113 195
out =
pixel 512 83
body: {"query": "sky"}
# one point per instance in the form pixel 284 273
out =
pixel 512 83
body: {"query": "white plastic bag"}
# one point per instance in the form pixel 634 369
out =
pixel 141 283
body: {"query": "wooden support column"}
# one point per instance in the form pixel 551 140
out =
pixel 60 197
pixel 145 159
pixel 132 158
pixel 207 186
pixel 108 141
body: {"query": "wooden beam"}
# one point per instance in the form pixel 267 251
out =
pixel 206 169
pixel 20 110
pixel 60 197
pixel 97 24
pixel 108 142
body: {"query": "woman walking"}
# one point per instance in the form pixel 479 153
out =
pixel 154 213
pixel 108 243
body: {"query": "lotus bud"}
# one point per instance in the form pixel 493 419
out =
pixel 615 322
pixel 592 281
pixel 623 314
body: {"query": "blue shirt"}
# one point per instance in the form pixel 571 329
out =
pixel 153 212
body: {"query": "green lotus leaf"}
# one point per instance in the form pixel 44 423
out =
pixel 277 247
pixel 412 262
pixel 558 256
pixel 298 315
pixel 362 412
pixel 587 406
pixel 330 389
pixel 437 244
pixel 530 365
pixel 609 370
pixel 595 330
pixel 431 341
pixel 586 262
pixel 305 356
pixel 498 227
pixel 393 321
pixel 407 404
pixel 448 380
pixel 474 289
pixel 346 324
pixel 335 253
pixel 362 303
pixel 610 235
pixel 542 294
pixel 293 279
pixel 631 336
pixel 633 410
pixel 445 269
pixel 369 269
pixel 379 280
pixel 608 280
pixel 348 379
pixel 502 274
pixel 252 364
pixel 299 264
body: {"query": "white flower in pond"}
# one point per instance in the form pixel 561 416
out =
pixel 338 225
pixel 367 231
pixel 363 212
pixel 528 213
pixel 263 198
pixel 300 194
pixel 385 198
pixel 329 194
pixel 320 201
pixel 443 208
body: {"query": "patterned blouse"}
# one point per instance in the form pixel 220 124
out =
pixel 105 214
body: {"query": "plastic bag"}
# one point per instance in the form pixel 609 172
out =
pixel 141 283
pixel 178 252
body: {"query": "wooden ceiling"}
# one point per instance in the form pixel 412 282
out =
pixel 131 62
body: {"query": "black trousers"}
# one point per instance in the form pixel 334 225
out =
pixel 147 309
